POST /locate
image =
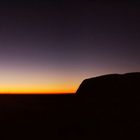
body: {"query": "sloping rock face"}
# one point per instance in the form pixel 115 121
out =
pixel 112 85
pixel 110 105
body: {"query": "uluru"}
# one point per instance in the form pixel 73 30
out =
pixel 110 105
pixel 111 85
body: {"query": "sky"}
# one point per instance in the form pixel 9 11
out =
pixel 51 47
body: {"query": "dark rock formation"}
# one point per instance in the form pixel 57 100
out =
pixel 110 105
pixel 111 85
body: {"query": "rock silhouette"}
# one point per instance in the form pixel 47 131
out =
pixel 110 105
pixel 103 107
pixel 111 85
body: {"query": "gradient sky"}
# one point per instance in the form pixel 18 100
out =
pixel 52 46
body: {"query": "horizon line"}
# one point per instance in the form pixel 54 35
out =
pixel 37 93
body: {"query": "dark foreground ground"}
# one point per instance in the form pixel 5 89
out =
pixel 67 117
pixel 38 116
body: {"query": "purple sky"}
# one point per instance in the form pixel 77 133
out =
pixel 60 44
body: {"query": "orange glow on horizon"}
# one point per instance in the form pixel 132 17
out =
pixel 34 80
pixel 35 90
pixel 23 91
pixel 33 93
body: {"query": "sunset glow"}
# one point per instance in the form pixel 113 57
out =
pixel 51 48
pixel 32 81
pixel 24 79
pixel 34 90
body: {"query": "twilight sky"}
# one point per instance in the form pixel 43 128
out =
pixel 53 46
